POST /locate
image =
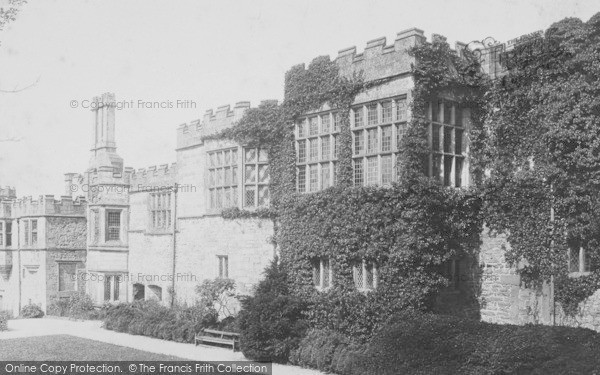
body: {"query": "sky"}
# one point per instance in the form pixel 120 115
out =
pixel 210 53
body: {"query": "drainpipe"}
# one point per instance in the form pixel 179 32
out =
pixel 552 276
pixel 19 263
pixel 174 224
pixel 553 301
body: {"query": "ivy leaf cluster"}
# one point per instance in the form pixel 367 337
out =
pixel 542 152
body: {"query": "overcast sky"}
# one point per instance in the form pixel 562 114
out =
pixel 209 52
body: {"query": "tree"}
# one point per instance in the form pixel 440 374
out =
pixel 7 15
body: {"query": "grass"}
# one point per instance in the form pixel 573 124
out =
pixel 71 348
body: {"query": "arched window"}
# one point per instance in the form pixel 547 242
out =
pixel 155 292
pixel 139 292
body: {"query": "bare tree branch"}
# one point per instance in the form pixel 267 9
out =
pixel 11 139
pixel 22 88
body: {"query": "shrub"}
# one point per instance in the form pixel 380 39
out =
pixel 536 349
pixel 31 311
pixel 417 343
pixel 327 351
pixel 219 293
pixel 58 308
pixel 229 324
pixel 4 316
pixel 150 318
pixel 272 321
pixel 78 306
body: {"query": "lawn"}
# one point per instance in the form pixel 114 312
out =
pixel 71 348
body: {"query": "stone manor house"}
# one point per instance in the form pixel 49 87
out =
pixel 121 234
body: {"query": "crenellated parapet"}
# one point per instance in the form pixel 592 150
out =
pixel 154 178
pixel 47 205
pixel 380 60
pixel 191 134
pixel 108 176
pixel 7 193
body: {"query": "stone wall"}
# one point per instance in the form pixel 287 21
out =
pixel 588 315
pixel 503 299
pixel 66 232
pixel 151 262
pixel 53 258
pixel 246 242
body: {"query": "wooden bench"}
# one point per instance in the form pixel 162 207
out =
pixel 217 337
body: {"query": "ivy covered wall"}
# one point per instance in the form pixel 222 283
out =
pixel 411 230
pixel 533 163
pixel 541 153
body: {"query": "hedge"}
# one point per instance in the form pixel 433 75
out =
pixel 149 318
pixel 327 351
pixel 4 316
pixel 415 343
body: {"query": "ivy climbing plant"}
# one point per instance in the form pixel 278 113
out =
pixel 542 151
pixel 410 229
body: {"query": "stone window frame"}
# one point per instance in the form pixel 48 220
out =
pixel 155 293
pixel 301 178
pixel 313 126
pixel 313 177
pixel 114 291
pixel 372 114
pixel 34 232
pixel 139 289
pixel 30 234
pixel 325 125
pixel 313 149
pixel 160 210
pixel 8 229
pixel 223 266
pixel 582 265
pixel 322 273
pixel 223 162
pixel 452 270
pixel 95 232
pixel 111 223
pixel 301 154
pixel 371 171
pixel 359 172
pixel 324 142
pixel 76 279
pixel 360 270
pixel 378 138
pixel 447 142
pixel 256 191
pixel 26 232
pixel 325 177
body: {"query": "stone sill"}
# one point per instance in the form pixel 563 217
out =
pixel 579 274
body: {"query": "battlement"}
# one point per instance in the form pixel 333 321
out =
pixel 109 175
pixel 48 205
pixel 105 100
pixel 190 134
pixel 380 60
pixel 8 193
pixel 154 177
